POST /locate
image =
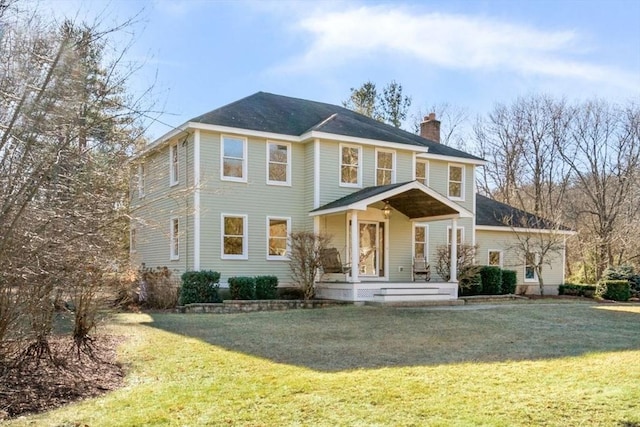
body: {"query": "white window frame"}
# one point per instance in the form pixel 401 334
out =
pixel 174 239
pixel 245 236
pixel 244 159
pixel 141 170
pixel 534 279
pixel 461 232
pixel 287 182
pixel 426 239
pixel 426 170
pixel 279 257
pixel 462 189
pixel 501 257
pixel 174 164
pixel 393 165
pixel 358 184
pixel 133 240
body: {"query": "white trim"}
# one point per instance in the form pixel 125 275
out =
pixel 245 159
pixel 452 159
pixel 244 132
pixel 500 251
pixel 363 204
pixel 196 200
pixel 141 179
pixel 245 236
pixel 316 174
pixel 174 239
pixel 287 182
pixel 462 182
pixel 288 250
pixel 524 230
pixel 427 166
pixel 359 166
pixel 174 166
pixel 393 165
pixel 460 229
pixel 426 239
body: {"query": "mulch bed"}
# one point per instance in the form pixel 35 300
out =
pixel 43 384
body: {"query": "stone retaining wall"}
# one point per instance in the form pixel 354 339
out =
pixel 245 306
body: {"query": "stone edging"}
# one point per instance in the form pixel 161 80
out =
pixel 245 306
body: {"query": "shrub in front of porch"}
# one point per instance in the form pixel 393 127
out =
pixel 306 250
pixel 469 278
pixel 491 280
pixel 242 288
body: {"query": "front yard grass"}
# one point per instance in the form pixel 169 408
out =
pixel 500 365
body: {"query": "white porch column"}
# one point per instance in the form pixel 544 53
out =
pixel 454 251
pixel 355 247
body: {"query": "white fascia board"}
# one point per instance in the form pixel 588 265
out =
pixel 160 142
pixel 431 156
pixel 362 141
pixel 436 218
pixel 244 132
pixel 338 210
pixel 525 230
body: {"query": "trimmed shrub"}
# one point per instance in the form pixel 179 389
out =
pixel 491 280
pixel 509 282
pixel 616 290
pixel 623 272
pixel 242 288
pixel 578 290
pixel 200 287
pixel 266 287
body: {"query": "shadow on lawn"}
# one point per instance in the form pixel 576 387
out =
pixel 346 338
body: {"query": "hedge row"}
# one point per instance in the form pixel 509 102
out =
pixel 250 288
pixel 492 280
pixel 200 286
pixel 616 290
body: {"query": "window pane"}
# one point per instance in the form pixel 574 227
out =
pixel 494 258
pixel 233 148
pixel 277 153
pixel 277 172
pixel 233 226
pixel 232 168
pixel 420 171
pixel 277 247
pixel 349 156
pixel 277 228
pixel 383 177
pixel 233 245
pixel 350 174
pixel 419 249
pixel 455 189
pixel 385 160
pixel 419 234
pixel 455 174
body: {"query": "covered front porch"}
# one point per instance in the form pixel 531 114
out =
pixel 373 231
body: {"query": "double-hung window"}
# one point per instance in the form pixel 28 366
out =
pixel 174 239
pixel 456 182
pixel 422 171
pixel 421 241
pixel 350 165
pixel 385 167
pixel 233 159
pixel 234 236
pixel 278 230
pixel 530 274
pixel 495 258
pixel 278 163
pixel 173 164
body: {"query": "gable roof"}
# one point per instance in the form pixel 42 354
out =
pixel 267 112
pixel 492 213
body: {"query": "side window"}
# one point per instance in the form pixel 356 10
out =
pixel 234 236
pixel 173 164
pixel 422 171
pixel 350 165
pixel 530 274
pixel 174 239
pixel 278 163
pixel 278 230
pixel 495 258
pixel 233 159
pixel 421 241
pixel 456 182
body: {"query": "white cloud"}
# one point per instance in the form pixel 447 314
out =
pixel 448 41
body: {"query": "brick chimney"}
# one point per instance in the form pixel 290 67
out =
pixel 430 128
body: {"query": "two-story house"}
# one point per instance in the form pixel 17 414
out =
pixel 224 190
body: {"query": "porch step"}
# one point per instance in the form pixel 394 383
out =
pixel 409 291
pixel 411 297
pixel 424 303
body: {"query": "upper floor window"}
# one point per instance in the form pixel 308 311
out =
pixel 173 164
pixel 233 159
pixel 422 171
pixel 278 230
pixel 495 258
pixel 278 163
pixel 234 237
pixel 350 165
pixel 421 241
pixel 174 239
pixel 456 182
pixel 140 180
pixel 385 167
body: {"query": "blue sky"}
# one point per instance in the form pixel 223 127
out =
pixel 471 54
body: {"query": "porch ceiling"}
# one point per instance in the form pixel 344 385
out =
pixel 413 199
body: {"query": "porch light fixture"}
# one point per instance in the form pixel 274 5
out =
pixel 386 210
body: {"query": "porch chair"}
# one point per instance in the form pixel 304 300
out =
pixel 421 268
pixel 331 262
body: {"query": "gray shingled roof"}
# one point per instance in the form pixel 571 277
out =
pixel 357 196
pixel 267 112
pixel 493 213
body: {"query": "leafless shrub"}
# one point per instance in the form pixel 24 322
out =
pixel 305 259
pixel 467 271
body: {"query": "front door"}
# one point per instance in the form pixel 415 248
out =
pixel 371 239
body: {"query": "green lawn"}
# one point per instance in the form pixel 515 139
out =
pixel 501 365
